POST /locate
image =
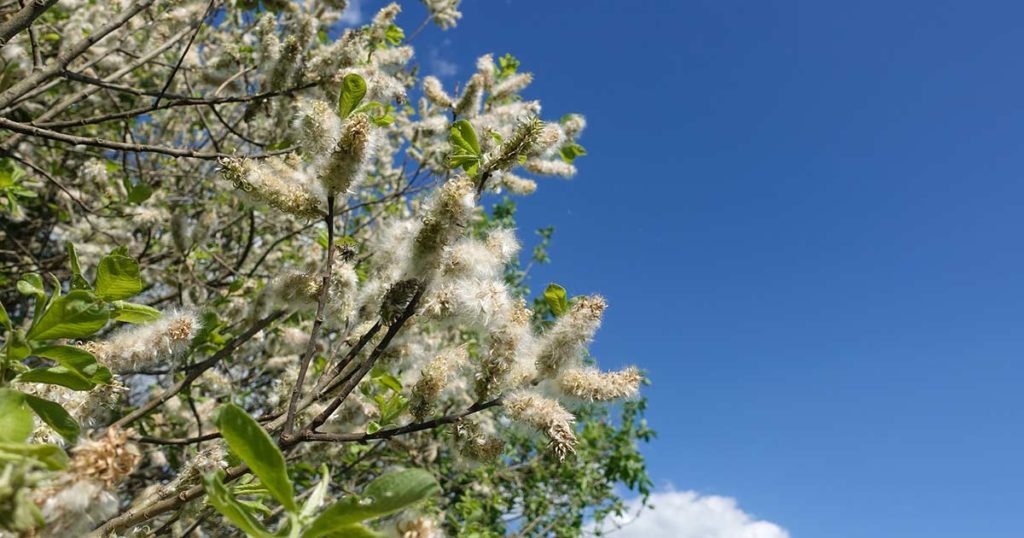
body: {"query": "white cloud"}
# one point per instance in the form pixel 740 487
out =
pixel 353 14
pixel 687 514
pixel 439 66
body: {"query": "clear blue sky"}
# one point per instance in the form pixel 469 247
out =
pixel 807 218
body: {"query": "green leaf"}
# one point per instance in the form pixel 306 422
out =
pixel 78 282
pixel 235 512
pixel 389 381
pixel 10 173
pixel 556 298
pixel 353 88
pixel 5 320
pixel 570 151
pixel 385 495
pixel 254 446
pixel 72 357
pixel 382 121
pixel 319 493
pixel 134 313
pixel 57 375
pixel 117 277
pixel 17 346
pixel 347 531
pixel 139 193
pixel 76 361
pixel 372 427
pixel 508 65
pixel 50 456
pixel 75 315
pixel 394 35
pixel 31 285
pixel 55 416
pixel 465 147
pixel 464 136
pixel 15 417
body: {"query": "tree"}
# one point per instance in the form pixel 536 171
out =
pixel 253 284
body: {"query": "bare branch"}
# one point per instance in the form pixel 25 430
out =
pixel 122 146
pixel 23 19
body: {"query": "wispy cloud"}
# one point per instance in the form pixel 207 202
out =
pixel 688 514
pixel 440 66
pixel 353 14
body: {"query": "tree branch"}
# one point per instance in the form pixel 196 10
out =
pixel 122 146
pixel 74 51
pixel 392 432
pixel 23 19
pixel 325 288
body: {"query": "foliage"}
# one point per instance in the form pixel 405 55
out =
pixel 250 282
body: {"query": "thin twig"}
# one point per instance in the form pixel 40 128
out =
pixel 325 286
pixel 121 146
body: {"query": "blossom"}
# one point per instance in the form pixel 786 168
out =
pixel 444 13
pixel 138 347
pixel 435 92
pixel 590 384
pixel 547 416
pixel 513 84
pixel 443 221
pixel 472 442
pixel 565 341
pixel 433 380
pixel 468 106
pixel 549 167
pixel 318 126
pixel 109 459
pixel 522 142
pixel 347 163
pixel 275 183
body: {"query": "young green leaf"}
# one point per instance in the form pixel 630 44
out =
pixel 353 88
pixel 389 381
pixel 78 282
pixel 134 313
pixel 72 357
pixel 319 493
pixel 570 151
pixel 17 346
pixel 31 285
pixel 75 315
pixel 55 416
pixel 394 35
pixel 238 514
pixel 556 298
pixel 465 147
pixel 117 277
pixel 254 446
pixel 385 495
pixel 57 375
pixel 508 65
pixel 139 193
pixel 464 136
pixel 5 320
pixel 346 531
pixel 15 417
pixel 50 456
pixel 76 365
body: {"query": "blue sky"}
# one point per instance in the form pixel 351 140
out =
pixel 806 217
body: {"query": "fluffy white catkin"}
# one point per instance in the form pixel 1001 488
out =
pixel 547 416
pixel 592 385
pixel 158 343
